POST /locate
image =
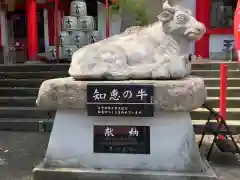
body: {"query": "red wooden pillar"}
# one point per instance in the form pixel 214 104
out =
pixel 56 5
pixel 32 34
pixel 203 8
pixel 107 19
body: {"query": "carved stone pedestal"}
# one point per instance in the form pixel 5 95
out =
pixel 97 134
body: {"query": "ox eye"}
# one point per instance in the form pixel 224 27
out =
pixel 181 19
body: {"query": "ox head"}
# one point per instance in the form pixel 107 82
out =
pixel 179 21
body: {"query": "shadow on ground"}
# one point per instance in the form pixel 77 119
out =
pixel 20 152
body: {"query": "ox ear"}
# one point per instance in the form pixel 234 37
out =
pixel 165 16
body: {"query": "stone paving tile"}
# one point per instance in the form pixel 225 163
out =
pixel 226 165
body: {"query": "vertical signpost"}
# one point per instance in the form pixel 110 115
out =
pixel 237 30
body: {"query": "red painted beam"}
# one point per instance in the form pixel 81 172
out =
pixel 220 31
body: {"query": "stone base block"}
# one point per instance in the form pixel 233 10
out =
pixel 41 173
pixel 172 143
pixel 170 95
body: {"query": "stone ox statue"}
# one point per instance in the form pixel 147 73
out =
pixel 158 51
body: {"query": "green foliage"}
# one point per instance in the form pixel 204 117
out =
pixel 136 7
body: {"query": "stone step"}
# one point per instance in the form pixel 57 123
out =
pixel 215 73
pixel 34 75
pixel 18 101
pixel 215 82
pixel 65 67
pixel 45 125
pixel 25 124
pixel 209 82
pixel 215 91
pixel 232 102
pixel 33 67
pixel 19 91
pixel 25 112
pixel 234 126
pixel 30 101
pixel 21 83
pixel 215 66
pixel 201 113
pixel 37 82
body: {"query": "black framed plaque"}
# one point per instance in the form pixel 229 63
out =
pixel 120 100
pixel 122 139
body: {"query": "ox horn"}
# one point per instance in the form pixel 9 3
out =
pixel 167 6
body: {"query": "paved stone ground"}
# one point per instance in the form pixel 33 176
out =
pixel 20 152
pixel 226 165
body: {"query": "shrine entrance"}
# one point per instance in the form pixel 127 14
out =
pixel 17 34
pixel 218 42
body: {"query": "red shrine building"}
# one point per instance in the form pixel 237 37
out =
pixel 29 27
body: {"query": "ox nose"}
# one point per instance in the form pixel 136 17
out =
pixel 201 28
